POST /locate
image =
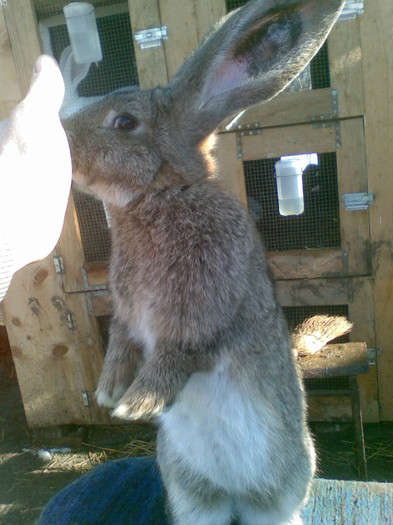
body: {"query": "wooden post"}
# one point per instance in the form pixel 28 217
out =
pixel 152 69
pixel 377 49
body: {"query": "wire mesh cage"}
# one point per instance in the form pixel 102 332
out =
pixel 317 227
pixel 295 315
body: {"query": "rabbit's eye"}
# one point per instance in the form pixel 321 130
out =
pixel 126 122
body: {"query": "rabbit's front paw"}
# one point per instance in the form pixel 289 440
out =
pixel 108 397
pixel 139 403
pixel 114 381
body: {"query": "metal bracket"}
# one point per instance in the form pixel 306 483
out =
pixel 334 112
pixel 239 144
pixel 71 321
pixel 148 38
pixel 330 124
pixel 373 354
pixel 3 3
pixel 351 10
pixel 59 264
pixel 357 201
pixel 86 398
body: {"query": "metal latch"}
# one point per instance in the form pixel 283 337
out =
pixel 153 37
pixel 357 201
pixel 373 354
pixel 351 9
pixel 86 398
pixel 59 264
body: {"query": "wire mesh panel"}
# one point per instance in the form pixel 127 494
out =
pixel 93 227
pixel 317 227
pixel 316 76
pixel 117 69
pixel 295 315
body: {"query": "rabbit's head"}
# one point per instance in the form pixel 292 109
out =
pixel 134 141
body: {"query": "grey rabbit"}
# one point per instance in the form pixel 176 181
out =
pixel 197 339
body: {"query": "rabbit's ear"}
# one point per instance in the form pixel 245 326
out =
pixel 250 57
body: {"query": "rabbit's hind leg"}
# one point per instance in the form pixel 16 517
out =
pixel 190 508
pixel 250 513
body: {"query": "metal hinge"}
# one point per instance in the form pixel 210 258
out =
pixel 373 354
pixel 153 37
pixel 71 321
pixel 59 264
pixel 86 398
pixel 357 201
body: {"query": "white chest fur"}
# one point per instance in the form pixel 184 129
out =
pixel 220 432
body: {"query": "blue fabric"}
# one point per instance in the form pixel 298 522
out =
pixel 122 492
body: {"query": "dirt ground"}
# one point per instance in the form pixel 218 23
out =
pixel 28 481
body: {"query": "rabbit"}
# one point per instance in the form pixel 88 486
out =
pixel 197 340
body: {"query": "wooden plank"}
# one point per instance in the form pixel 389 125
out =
pixel 349 503
pixel 70 248
pixel 352 177
pixel 207 14
pixel 347 359
pixel 377 48
pixel 151 63
pixel 286 109
pixel 292 140
pixel 54 363
pixel 180 18
pixel 305 264
pixel 187 23
pixel 361 314
pixel 346 67
pixel 313 292
pixel 22 29
pixel 10 92
pixel 230 166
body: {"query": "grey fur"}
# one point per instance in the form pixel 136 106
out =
pixel 189 277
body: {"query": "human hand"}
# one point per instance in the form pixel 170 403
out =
pixel 35 169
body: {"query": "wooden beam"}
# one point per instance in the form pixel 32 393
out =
pixel 346 67
pixel 151 63
pixel 361 314
pixel 305 264
pixel 377 49
pixel 286 109
pixel 230 166
pixel 352 178
pixel 23 34
pixel 313 292
pixel 292 140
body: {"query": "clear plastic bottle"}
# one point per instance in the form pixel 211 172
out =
pixel 289 186
pixel 83 32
